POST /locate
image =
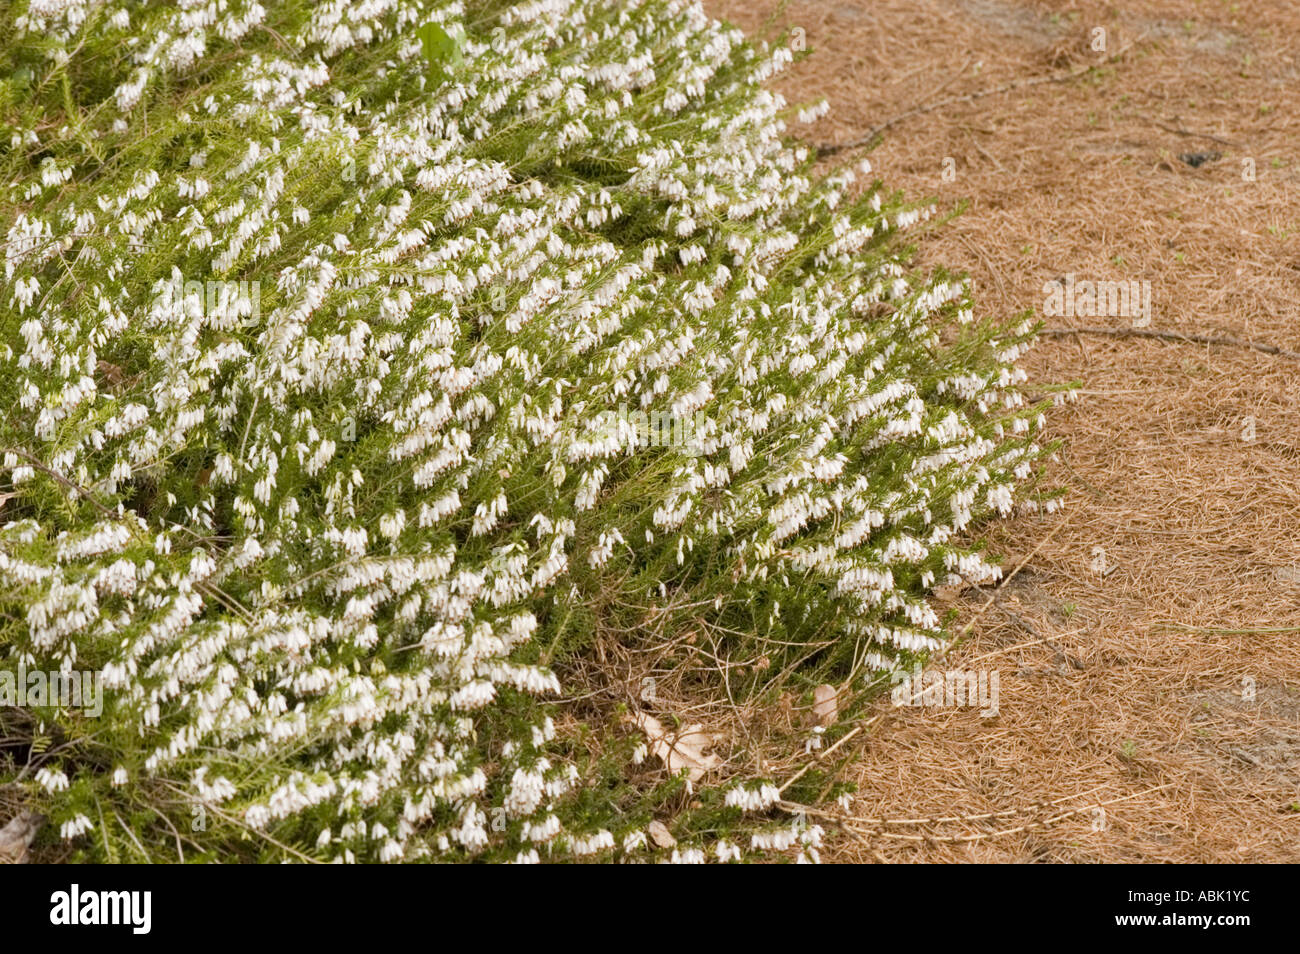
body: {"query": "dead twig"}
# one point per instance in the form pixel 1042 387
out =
pixel 847 821
pixel 848 735
pixel 49 471
pixel 1189 133
pixel 1179 336
pixel 926 107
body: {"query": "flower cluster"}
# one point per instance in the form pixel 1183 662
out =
pixel 327 551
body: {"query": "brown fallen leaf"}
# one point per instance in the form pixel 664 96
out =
pixel 681 750
pixel 16 837
pixel 946 594
pixel 660 834
pixel 111 372
pixel 826 706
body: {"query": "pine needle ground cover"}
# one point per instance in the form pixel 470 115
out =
pixel 366 368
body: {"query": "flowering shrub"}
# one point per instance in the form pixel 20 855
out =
pixel 324 335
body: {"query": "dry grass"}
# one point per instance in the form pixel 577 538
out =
pixel 1128 689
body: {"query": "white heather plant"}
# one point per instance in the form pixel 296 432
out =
pixel 315 317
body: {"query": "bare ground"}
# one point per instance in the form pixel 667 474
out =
pixel 1149 650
